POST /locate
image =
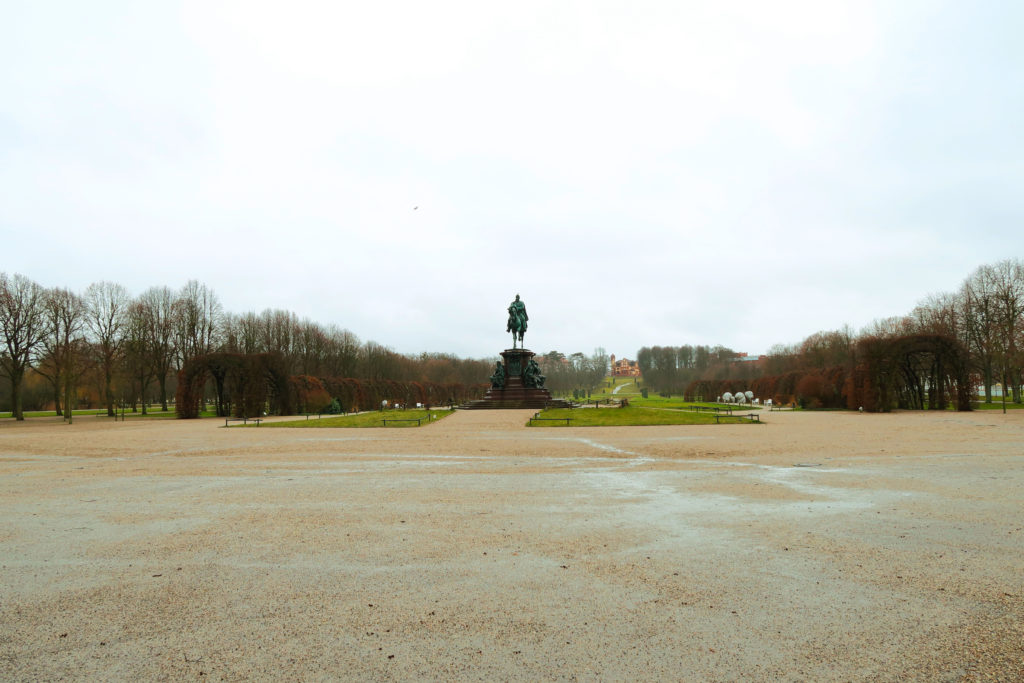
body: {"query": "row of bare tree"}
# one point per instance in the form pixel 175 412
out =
pixel 114 347
pixel 575 371
pixel 669 369
pixel 126 344
pixel 985 314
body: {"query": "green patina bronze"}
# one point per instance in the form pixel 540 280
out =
pixel 532 377
pixel 517 318
pixel 517 381
pixel 498 378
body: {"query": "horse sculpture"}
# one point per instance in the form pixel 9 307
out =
pixel 517 318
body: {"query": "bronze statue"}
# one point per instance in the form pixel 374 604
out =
pixel 498 378
pixel 517 320
pixel 532 376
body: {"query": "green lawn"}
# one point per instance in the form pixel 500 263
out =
pixel 996 404
pixel 370 419
pixel 154 413
pixel 631 391
pixel 678 403
pixel 630 416
pixel 52 413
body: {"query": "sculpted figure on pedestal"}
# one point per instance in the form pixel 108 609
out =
pixel 517 318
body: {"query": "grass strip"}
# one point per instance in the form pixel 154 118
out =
pixel 363 420
pixel 93 412
pixel 996 404
pixel 629 416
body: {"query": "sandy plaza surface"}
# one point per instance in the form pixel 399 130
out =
pixel 813 547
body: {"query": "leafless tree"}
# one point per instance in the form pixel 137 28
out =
pixel 978 314
pixel 827 349
pixel 341 358
pixel 938 314
pixel 249 333
pixel 379 362
pixel 49 359
pixel 158 316
pixel 310 346
pixel 106 316
pixel 197 314
pixel 889 328
pixel 64 349
pixel 1006 282
pixel 23 325
pixel 278 330
pixel 138 360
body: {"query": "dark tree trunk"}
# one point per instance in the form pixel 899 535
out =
pixel 69 408
pixel 162 382
pixel 16 410
pixel 108 393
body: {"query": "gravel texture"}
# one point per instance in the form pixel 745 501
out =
pixel 814 547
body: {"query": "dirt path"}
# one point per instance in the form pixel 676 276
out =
pixel 817 546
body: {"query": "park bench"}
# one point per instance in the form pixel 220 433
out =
pixel 714 409
pixel 417 420
pixel 753 417
pixel 551 419
pixel 243 420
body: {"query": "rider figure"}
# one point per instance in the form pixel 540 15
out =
pixel 517 318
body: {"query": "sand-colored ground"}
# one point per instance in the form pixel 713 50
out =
pixel 475 548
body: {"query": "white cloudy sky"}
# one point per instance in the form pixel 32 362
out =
pixel 641 173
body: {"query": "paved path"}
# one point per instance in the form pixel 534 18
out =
pixel 620 386
pixel 475 548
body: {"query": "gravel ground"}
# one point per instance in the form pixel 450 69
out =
pixel 814 547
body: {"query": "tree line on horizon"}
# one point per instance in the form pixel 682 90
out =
pixel 982 320
pixel 104 346
pixel 577 371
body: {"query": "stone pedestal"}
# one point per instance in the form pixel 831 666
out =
pixel 515 394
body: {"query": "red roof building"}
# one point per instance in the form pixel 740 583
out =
pixel 625 367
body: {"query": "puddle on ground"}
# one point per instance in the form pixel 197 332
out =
pixel 680 491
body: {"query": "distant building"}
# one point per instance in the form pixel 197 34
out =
pixel 625 367
pixel 744 358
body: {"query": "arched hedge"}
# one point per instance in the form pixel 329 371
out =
pixel 913 372
pixel 243 384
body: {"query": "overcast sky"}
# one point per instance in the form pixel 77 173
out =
pixel 641 173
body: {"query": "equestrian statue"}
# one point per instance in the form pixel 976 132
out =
pixel 517 321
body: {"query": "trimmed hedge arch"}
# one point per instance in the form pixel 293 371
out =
pixel 243 384
pixel 246 383
pixel 913 373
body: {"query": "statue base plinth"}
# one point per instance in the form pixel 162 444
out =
pixel 515 394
